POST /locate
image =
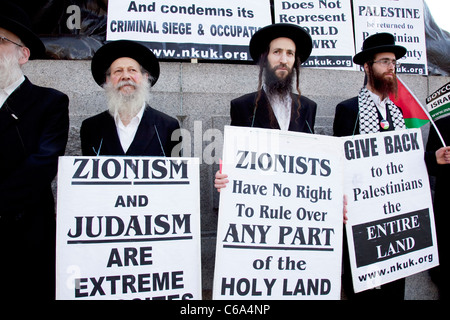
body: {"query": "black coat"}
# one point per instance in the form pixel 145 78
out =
pixel 346 119
pixel 153 136
pixel 31 142
pixel 441 173
pixel 242 110
pixel 346 123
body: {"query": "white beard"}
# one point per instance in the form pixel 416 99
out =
pixel 10 70
pixel 126 105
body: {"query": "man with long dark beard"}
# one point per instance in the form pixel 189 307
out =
pixel 34 126
pixel 279 49
pixel 127 70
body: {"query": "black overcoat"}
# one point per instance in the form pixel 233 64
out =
pixel 242 110
pixel 441 174
pixel 153 136
pixel 34 125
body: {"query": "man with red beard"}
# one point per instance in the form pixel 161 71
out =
pixel 372 110
pixel 279 49
pixel 127 70
pixel 34 125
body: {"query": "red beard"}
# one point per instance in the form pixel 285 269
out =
pixel 382 83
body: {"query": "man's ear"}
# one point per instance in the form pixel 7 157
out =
pixel 366 67
pixel 25 56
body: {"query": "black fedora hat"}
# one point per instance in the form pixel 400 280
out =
pixel 379 42
pixel 107 54
pixel 260 41
pixel 15 20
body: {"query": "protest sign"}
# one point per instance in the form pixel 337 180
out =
pixel 404 19
pixel 330 25
pixel 188 29
pixel 280 216
pixel 128 228
pixel 438 103
pixel 390 227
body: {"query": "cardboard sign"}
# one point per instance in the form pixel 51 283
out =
pixel 390 228
pixel 128 228
pixel 280 216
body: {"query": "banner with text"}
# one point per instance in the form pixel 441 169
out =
pixel 330 24
pixel 402 18
pixel 390 229
pixel 280 217
pixel 121 235
pixel 190 29
pixel 438 103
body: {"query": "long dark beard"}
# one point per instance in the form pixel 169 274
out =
pixel 275 85
pixel 385 86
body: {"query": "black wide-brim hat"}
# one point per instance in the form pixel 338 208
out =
pixel 15 20
pixel 260 41
pixel 110 52
pixel 380 42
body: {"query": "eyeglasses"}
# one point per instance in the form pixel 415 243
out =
pixel 388 62
pixel 4 39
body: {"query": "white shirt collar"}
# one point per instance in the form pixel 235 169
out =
pixel 380 104
pixel 6 92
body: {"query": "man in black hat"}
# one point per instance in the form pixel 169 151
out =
pixel 372 110
pixel 127 70
pixel 279 49
pixel 34 124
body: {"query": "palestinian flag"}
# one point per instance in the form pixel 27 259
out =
pixel 414 113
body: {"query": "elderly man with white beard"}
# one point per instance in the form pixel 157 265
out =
pixel 127 70
pixel 34 125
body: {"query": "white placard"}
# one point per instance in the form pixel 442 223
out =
pixel 128 228
pixel 390 229
pixel 330 25
pixel 402 18
pixel 438 103
pixel 280 216
pixel 189 28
